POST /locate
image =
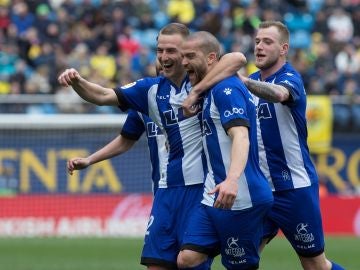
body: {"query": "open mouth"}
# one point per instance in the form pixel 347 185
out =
pixel 260 56
pixel 190 72
pixel 167 66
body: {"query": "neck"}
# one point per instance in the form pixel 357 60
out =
pixel 265 73
pixel 179 81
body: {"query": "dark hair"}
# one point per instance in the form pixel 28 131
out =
pixel 283 30
pixel 208 42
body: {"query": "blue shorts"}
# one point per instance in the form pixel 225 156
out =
pixel 297 213
pixel 168 219
pixel 236 235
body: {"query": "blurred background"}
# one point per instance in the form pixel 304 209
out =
pixel 113 43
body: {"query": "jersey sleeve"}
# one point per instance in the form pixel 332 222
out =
pixel 232 106
pixel 293 83
pixel 135 95
pixel 133 127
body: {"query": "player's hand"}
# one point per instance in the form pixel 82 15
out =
pixel 69 77
pixel 191 105
pixel 77 164
pixel 227 194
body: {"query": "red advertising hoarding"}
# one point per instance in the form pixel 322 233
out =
pixel 125 215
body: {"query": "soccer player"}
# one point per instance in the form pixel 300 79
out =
pixel 283 150
pixel 237 196
pixel 135 125
pixel 160 98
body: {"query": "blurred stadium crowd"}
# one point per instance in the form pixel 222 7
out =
pixel 113 42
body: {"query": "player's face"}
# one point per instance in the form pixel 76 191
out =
pixel 194 61
pixel 267 47
pixel 169 56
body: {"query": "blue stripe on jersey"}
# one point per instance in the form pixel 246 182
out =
pixel 284 154
pixel 162 101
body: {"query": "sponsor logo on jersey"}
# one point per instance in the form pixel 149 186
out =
pixel 128 85
pixel 233 111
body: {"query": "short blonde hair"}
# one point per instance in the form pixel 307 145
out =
pixel 283 30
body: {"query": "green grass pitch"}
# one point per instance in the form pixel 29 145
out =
pixel 124 254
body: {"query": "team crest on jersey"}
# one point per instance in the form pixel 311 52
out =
pixel 227 91
pixel 128 85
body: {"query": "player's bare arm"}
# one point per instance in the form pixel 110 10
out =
pixel 268 91
pixel 116 147
pixel 239 154
pixel 89 91
pixel 228 65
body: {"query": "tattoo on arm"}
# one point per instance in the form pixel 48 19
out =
pixel 268 91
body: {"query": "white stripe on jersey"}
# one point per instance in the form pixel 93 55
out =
pixel 163 155
pixel 292 151
pixel 261 148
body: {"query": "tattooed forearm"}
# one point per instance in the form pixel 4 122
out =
pixel 270 92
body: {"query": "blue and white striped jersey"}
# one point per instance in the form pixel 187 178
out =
pixel 229 104
pixel 282 135
pixel 135 125
pixel 161 100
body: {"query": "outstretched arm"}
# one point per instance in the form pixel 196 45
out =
pixel 116 147
pixel 89 91
pixel 268 91
pixel 228 65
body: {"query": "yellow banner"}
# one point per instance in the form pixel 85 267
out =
pixel 319 116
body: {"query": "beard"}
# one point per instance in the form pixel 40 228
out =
pixel 266 63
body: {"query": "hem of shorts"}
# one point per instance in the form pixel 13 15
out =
pixel 266 202
pixel 291 188
pixel 269 237
pixel 181 185
pixel 159 262
pixel 317 253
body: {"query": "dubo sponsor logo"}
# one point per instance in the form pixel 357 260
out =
pixel 233 111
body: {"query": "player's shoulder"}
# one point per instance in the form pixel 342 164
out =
pixel 288 71
pixel 143 82
pixel 231 80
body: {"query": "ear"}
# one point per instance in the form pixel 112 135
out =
pixel 284 49
pixel 211 58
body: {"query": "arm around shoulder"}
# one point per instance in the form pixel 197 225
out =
pixel 228 65
pixel 268 91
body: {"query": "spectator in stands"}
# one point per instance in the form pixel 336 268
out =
pixel 73 22
pixel 340 25
pixel 181 11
